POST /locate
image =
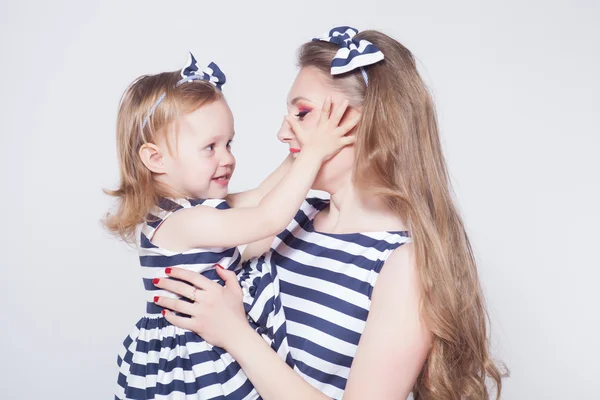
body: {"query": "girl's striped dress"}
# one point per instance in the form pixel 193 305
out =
pixel 161 361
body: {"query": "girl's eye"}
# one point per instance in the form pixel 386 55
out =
pixel 229 144
pixel 210 147
pixel 302 114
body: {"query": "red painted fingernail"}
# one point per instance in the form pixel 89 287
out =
pixel 164 312
pixel 155 299
pixel 155 281
pixel 219 266
pixel 168 270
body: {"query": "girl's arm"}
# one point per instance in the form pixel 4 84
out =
pixel 390 355
pixel 251 198
pixel 209 227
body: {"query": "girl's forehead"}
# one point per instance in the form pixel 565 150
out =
pixel 210 120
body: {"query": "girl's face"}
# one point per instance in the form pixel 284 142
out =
pixel 309 91
pixel 203 163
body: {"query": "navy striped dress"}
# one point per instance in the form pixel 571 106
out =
pixel 316 288
pixel 161 361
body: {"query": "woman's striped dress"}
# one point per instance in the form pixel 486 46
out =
pixel 317 290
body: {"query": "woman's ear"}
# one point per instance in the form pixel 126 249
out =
pixel 152 158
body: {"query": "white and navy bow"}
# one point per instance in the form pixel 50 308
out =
pixel 353 53
pixel 191 72
pixel 212 73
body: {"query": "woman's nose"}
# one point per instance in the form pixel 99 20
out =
pixel 285 133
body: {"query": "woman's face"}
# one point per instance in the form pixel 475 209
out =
pixel 309 91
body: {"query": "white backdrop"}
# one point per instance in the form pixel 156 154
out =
pixel 517 89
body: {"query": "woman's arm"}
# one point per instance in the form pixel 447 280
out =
pixel 251 198
pixel 390 355
pixel 396 341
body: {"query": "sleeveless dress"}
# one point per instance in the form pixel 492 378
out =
pixel 320 288
pixel 309 297
pixel 161 361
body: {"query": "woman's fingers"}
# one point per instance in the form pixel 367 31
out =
pixel 180 288
pixel 176 305
pixel 182 322
pixel 192 277
pixel 231 282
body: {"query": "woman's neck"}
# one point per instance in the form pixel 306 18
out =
pixel 351 210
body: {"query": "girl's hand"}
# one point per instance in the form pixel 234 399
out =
pixel 217 313
pixel 329 136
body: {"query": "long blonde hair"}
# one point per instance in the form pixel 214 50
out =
pixel 399 157
pixel 138 192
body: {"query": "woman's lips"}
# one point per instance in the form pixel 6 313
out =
pixel 294 150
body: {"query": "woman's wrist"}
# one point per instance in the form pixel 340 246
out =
pixel 240 340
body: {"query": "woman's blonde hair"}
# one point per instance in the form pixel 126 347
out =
pixel 138 192
pixel 399 157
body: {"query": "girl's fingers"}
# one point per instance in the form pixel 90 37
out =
pixel 348 140
pixel 338 112
pixel 325 110
pixel 295 126
pixel 293 123
pixel 351 121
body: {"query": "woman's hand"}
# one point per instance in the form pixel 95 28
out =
pixel 217 313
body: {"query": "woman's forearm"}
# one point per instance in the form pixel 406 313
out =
pixel 270 375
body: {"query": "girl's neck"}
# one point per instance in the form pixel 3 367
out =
pixel 168 190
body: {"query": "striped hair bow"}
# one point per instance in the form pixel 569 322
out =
pixel 353 53
pixel 192 72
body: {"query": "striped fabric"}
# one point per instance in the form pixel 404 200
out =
pixel 161 361
pixel 192 72
pixel 353 53
pixel 325 282
pixel 212 73
pixel 309 297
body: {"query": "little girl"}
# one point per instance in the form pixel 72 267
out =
pixel 174 133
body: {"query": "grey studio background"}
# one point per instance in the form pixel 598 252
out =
pixel 516 86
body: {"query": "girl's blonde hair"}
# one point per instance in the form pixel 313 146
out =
pixel 138 193
pixel 399 157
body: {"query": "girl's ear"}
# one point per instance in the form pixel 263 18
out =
pixel 152 158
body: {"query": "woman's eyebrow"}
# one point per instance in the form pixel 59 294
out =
pixel 297 99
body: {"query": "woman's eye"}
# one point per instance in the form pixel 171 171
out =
pixel 210 147
pixel 229 144
pixel 302 114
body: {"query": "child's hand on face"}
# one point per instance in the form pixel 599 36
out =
pixel 328 137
